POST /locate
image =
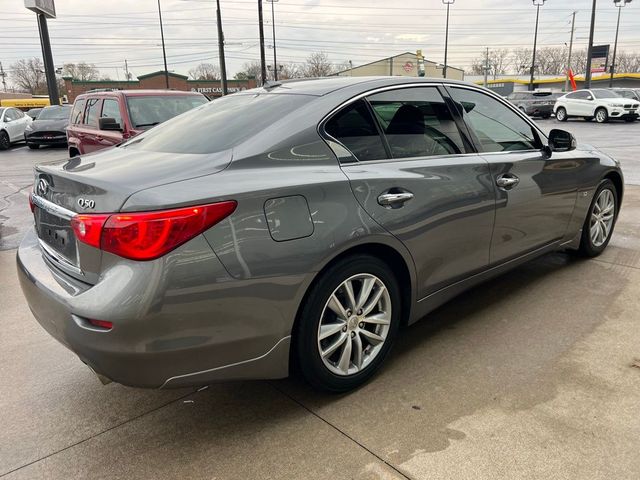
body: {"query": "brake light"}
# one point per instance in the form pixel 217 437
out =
pixel 148 235
pixel 101 323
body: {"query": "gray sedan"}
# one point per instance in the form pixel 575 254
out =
pixel 302 223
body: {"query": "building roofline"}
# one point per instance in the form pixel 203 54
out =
pixel 162 72
pixel 394 56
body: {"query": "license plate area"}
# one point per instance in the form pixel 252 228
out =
pixel 56 233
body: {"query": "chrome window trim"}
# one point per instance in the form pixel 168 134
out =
pixel 52 207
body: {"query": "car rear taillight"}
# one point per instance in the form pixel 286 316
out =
pixel 148 235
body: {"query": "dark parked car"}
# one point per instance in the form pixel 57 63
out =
pixel 49 128
pixel 534 104
pixel 104 118
pixel 33 112
pixel 305 221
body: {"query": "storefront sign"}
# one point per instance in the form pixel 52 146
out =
pixel 599 57
pixel 217 89
pixel 46 7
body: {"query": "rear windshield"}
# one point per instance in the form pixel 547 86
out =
pixel 54 113
pixel 219 125
pixel 604 93
pixel 147 111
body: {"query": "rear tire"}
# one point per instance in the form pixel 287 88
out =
pixel 4 140
pixel 602 116
pixel 561 114
pixel 601 220
pixel 337 352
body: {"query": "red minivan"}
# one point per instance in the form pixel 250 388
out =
pixel 104 118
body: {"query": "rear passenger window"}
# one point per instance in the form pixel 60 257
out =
pixel 77 112
pixel 92 112
pixel 355 128
pixel 416 122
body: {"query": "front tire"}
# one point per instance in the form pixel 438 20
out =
pixel 5 142
pixel 600 222
pixel 602 116
pixel 561 114
pixel 347 324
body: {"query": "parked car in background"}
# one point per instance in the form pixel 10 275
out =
pixel 534 104
pixel 13 122
pixel 632 93
pixel 301 222
pixel 599 103
pixel 102 119
pixel 50 128
pixel 33 112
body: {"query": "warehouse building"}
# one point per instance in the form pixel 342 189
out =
pixel 404 64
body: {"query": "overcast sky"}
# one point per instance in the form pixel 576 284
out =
pixel 106 33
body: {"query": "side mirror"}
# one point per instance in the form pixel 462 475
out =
pixel 108 123
pixel 561 141
pixel 589 97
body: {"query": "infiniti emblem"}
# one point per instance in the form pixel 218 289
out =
pixel 85 203
pixel 43 187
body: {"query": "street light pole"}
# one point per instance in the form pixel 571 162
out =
pixel 573 26
pixel 448 3
pixel 537 4
pixel 619 4
pixel 164 53
pixel 273 25
pixel 587 74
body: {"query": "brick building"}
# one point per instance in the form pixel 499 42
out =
pixel 155 80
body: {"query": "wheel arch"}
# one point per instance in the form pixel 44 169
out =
pixel 616 178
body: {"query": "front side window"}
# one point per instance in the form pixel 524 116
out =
pixel 91 114
pixel 416 122
pixel 77 112
pixel 497 127
pixel 111 109
pixel 355 128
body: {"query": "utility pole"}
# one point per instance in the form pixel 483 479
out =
pixel 537 4
pixel 223 67
pixel 587 76
pixel 263 63
pixel 273 26
pixel 3 75
pixel 164 52
pixel 126 69
pixel 573 26
pixel 486 68
pixel 446 38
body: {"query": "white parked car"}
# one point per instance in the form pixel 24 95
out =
pixel 598 103
pixel 12 125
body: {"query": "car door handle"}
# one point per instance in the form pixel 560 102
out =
pixel 394 199
pixel 507 180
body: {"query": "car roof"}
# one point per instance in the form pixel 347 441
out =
pixel 137 93
pixel 325 85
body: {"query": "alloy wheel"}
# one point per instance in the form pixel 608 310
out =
pixel 601 116
pixel 602 217
pixel 354 324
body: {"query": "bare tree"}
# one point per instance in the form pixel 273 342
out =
pixel 318 65
pixel 521 60
pixel 81 71
pixel 205 71
pixel 28 75
pixel 628 62
pixel 290 70
pixel 250 70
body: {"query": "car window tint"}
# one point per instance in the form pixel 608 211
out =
pixel 111 109
pixel 416 122
pixel 77 112
pixel 604 93
pixel 355 128
pixel 220 124
pixel 497 127
pixel 91 113
pixel 150 110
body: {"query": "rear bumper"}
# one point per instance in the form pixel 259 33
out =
pixel 168 330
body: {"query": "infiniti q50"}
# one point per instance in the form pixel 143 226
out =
pixel 302 223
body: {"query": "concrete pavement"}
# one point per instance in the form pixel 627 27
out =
pixel 527 376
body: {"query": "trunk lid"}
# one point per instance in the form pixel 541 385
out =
pixel 101 183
